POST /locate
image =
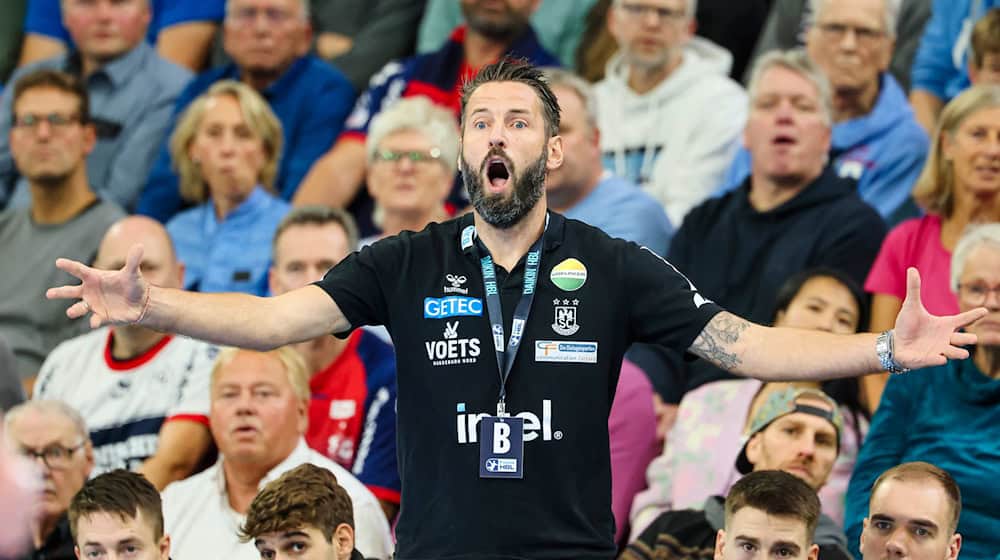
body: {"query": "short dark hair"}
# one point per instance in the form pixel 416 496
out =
pixel 54 79
pixel 919 470
pixel 306 496
pixel 318 216
pixel 119 492
pixel 775 493
pixel 986 37
pixel 793 285
pixel 519 70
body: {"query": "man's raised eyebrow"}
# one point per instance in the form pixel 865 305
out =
pixel 294 533
pixel 786 544
pixel 881 517
pixel 926 523
pixel 752 540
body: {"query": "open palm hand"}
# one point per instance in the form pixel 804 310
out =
pixel 114 297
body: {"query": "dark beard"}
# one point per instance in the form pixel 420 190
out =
pixel 502 210
pixel 507 30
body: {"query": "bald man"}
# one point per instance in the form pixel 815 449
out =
pixel 143 394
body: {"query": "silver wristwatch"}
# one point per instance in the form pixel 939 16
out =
pixel 884 349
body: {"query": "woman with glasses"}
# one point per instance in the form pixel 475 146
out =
pixel 226 150
pixel 948 415
pixel 412 151
pixel 960 185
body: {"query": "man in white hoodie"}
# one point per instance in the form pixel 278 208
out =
pixel 670 117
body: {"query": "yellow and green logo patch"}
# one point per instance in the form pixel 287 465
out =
pixel 569 275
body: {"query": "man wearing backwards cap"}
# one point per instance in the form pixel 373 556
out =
pixel 796 430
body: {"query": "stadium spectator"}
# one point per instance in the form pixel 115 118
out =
pixel 302 514
pixel 50 140
pixel 142 393
pixel 352 384
pixel 772 514
pixel 559 24
pixel 984 62
pixel 359 38
pixel 227 148
pixel 794 429
pixel 582 189
pixel 597 46
pixel 791 214
pixel 875 138
pixel 948 415
pixel 412 154
pixel 670 117
pixel 118 515
pixel 269 41
pixel 181 30
pixel 18 491
pixel 697 461
pixel 940 68
pixel 336 178
pixel 960 185
pixel 131 89
pixel 259 414
pixel 53 435
pixel 913 513
pixel 789 20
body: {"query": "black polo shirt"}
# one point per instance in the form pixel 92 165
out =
pixel 595 295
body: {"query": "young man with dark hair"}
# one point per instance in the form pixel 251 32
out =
pixel 533 482
pixel 913 513
pixel 303 514
pixel 769 514
pixel 118 515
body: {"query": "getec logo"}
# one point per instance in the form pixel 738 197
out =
pixel 452 306
pixel 467 424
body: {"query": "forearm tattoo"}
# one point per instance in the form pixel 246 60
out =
pixel 715 343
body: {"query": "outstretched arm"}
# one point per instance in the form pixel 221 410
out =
pixel 123 297
pixel 774 353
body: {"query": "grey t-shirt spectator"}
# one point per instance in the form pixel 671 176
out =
pixel 131 100
pixel 31 324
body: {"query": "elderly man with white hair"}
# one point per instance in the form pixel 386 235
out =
pixel 876 138
pixel 53 435
pixel 259 414
pixel 946 415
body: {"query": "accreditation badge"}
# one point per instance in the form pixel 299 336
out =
pixel 501 447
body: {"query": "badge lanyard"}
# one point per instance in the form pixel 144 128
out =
pixel 506 355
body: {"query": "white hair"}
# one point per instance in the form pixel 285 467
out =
pixel 890 17
pixel 303 4
pixel 797 61
pixel 974 237
pixel 692 7
pixel 46 408
pixel 580 87
pixel 421 115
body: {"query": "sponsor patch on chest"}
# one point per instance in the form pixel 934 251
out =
pixel 565 351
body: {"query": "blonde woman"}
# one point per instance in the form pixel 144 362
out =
pixel 960 184
pixel 226 150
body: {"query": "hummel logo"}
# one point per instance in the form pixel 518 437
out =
pixel 456 282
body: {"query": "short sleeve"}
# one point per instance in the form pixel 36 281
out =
pixel 664 306
pixel 193 402
pixel 888 272
pixel 384 89
pixel 356 283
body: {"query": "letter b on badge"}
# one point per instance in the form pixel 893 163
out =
pixel 501 438
pixel 501 447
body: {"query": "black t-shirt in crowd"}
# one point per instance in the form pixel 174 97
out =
pixel 594 296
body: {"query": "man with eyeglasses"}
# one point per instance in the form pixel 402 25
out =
pixel 269 42
pixel 50 141
pixel 876 139
pixel 55 437
pixel 352 381
pixel 131 88
pixel 670 117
